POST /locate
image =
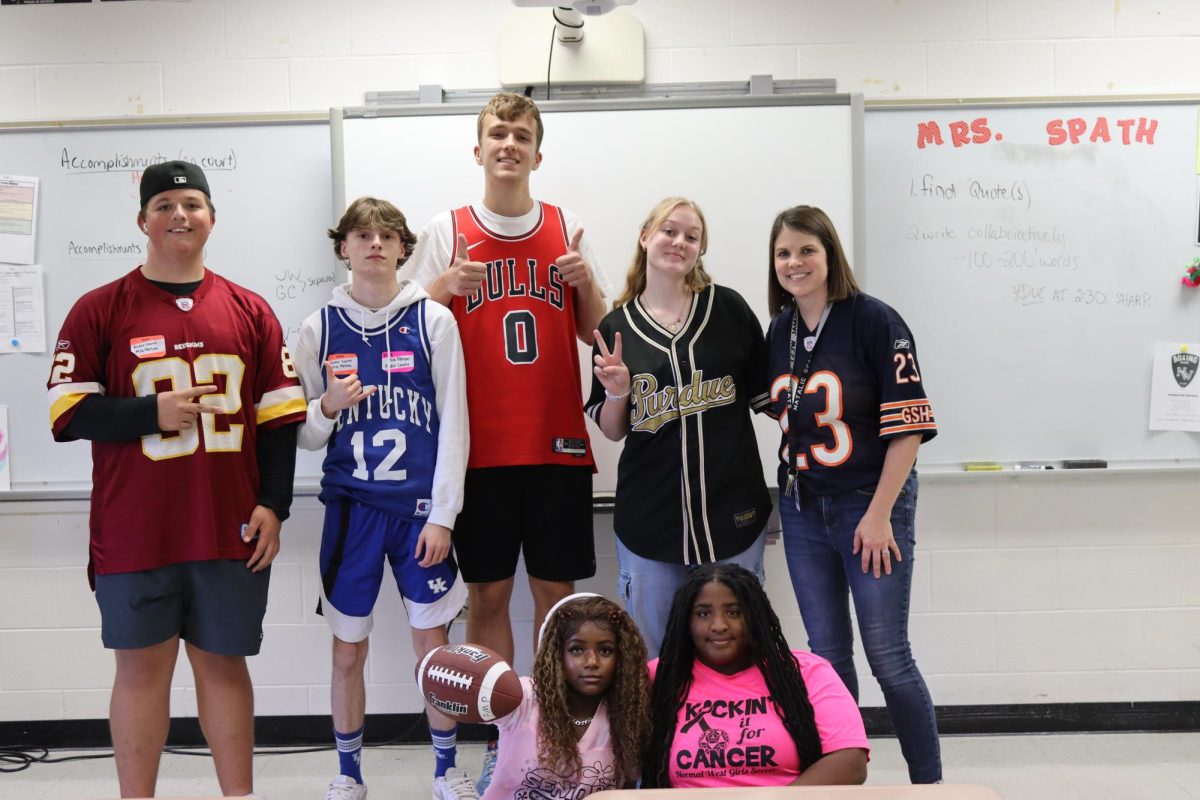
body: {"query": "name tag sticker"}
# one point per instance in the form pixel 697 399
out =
pixel 398 361
pixel 343 364
pixel 148 346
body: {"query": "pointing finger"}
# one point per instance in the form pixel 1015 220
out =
pixel 196 391
pixel 617 347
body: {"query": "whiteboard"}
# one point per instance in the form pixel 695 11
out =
pixel 741 159
pixel 271 187
pixel 1037 256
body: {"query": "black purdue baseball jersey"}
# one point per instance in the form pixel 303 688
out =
pixel 863 388
pixel 690 486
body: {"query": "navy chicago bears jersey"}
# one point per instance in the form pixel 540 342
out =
pixel 181 496
pixel 383 451
pixel 864 387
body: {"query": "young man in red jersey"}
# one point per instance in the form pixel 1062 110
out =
pixel 182 382
pixel 521 280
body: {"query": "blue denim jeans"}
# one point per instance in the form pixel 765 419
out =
pixel 818 539
pixel 647 586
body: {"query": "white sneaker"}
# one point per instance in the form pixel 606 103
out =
pixel 343 787
pixel 454 785
pixel 485 773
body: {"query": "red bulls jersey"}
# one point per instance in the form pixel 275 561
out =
pixel 168 498
pixel 518 335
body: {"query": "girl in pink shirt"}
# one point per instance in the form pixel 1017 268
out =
pixel 582 723
pixel 733 705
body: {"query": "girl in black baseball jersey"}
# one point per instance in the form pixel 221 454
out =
pixel 846 388
pixel 680 362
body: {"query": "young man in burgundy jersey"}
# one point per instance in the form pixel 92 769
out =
pixel 181 380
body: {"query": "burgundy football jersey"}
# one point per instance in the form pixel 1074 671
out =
pixel 168 498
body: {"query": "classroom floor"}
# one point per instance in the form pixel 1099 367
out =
pixel 1147 766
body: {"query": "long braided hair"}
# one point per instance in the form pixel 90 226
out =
pixel 769 651
pixel 626 697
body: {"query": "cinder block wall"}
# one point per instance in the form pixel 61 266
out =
pixel 1046 589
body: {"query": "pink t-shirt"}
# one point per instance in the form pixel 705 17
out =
pixel 730 734
pixel 518 774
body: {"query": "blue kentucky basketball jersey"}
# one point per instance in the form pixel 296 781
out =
pixel 383 450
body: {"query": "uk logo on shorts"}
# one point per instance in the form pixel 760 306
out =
pixel 424 506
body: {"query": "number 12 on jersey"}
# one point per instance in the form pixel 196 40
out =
pixel 384 469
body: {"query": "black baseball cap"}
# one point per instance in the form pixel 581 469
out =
pixel 172 175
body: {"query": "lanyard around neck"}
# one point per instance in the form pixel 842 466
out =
pixel 810 344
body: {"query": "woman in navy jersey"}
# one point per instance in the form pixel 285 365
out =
pixel 680 362
pixel 846 388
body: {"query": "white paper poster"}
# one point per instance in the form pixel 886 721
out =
pixel 1175 388
pixel 22 310
pixel 18 219
pixel 5 452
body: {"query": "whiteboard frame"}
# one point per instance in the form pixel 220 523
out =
pixel 318 119
pixel 339 114
pixel 952 471
pixel 346 123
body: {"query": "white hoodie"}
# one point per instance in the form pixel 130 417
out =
pixel 449 382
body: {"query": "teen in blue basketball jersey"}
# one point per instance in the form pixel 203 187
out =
pixel 846 388
pixel 382 368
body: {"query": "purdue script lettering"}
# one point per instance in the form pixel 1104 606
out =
pixel 653 408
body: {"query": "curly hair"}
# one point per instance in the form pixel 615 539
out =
pixel 769 651
pixel 369 213
pixel 626 696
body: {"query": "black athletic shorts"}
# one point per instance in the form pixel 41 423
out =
pixel 544 510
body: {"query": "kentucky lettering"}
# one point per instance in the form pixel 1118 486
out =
pixel 404 405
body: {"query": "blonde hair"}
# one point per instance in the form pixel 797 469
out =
pixel 635 280
pixel 508 107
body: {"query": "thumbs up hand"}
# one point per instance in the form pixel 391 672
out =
pixel 464 276
pixel 572 266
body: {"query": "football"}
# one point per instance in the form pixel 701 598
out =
pixel 469 683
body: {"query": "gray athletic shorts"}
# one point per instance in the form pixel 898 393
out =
pixel 217 606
